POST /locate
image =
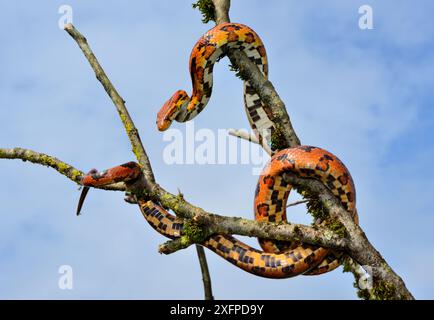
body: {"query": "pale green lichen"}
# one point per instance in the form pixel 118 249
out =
pixel 175 245
pixel 278 141
pixel 383 290
pixel 206 7
pixel 129 128
pixel 336 227
pixel 328 234
pixel 238 72
pixel 169 201
pixel 180 196
pixel 314 206
pixel 60 166
pixel 194 232
pixel 185 241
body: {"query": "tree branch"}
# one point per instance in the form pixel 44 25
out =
pixel 43 159
pixel 296 203
pixel 243 135
pixel 213 223
pixel 221 11
pixel 249 137
pixel 132 132
pixel 217 224
pixel 206 279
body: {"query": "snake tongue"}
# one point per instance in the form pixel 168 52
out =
pixel 82 198
pixel 84 193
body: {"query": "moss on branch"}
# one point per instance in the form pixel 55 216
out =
pixel 206 8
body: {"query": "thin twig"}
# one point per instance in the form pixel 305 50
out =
pixel 296 203
pixel 221 9
pixel 243 135
pixel 206 278
pixel 249 137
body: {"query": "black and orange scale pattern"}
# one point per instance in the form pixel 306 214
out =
pixel 209 49
pixel 270 205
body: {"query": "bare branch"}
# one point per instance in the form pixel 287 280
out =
pixel 128 123
pixel 221 9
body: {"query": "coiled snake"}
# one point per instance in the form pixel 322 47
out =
pixel 278 259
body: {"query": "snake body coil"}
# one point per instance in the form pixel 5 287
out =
pixel 211 47
pixel 278 259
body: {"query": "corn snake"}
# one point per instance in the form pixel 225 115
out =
pixel 278 259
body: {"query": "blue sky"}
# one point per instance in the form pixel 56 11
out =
pixel 365 95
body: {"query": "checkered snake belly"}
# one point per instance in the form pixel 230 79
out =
pixel 278 259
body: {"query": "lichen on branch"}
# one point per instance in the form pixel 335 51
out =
pixel 206 7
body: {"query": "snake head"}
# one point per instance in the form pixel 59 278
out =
pixel 171 109
pixel 127 172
